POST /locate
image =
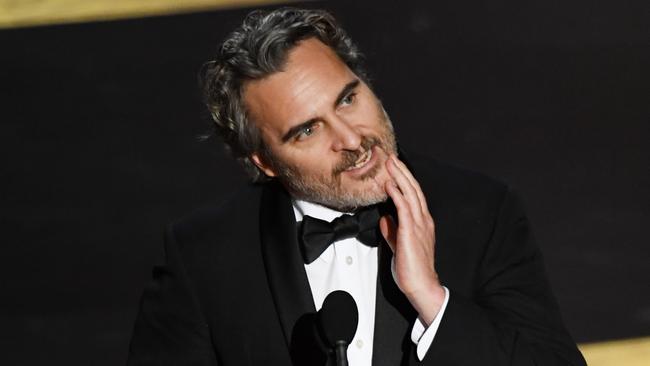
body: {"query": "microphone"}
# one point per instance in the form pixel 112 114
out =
pixel 338 320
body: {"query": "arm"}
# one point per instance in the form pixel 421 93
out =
pixel 511 319
pixel 170 329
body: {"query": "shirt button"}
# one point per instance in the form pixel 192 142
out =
pixel 348 260
pixel 359 343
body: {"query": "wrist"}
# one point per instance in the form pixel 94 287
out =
pixel 428 301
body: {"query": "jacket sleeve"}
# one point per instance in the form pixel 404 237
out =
pixel 512 318
pixel 170 328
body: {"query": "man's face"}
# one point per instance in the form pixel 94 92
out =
pixel 326 134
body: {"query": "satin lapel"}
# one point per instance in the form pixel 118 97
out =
pixel 284 266
pixel 394 317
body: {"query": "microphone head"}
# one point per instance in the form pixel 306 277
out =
pixel 338 318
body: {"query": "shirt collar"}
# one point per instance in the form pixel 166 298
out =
pixel 302 208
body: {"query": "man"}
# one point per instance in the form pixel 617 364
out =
pixel 454 278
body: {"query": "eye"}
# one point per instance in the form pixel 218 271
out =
pixel 306 131
pixel 349 99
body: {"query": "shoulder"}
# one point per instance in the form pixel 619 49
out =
pixel 446 182
pixel 460 199
pixel 220 220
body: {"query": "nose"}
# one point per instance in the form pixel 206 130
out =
pixel 346 136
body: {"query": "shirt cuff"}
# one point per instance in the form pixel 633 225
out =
pixel 421 336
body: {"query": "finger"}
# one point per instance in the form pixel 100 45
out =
pixel 416 185
pixel 406 187
pixel 404 215
pixel 388 230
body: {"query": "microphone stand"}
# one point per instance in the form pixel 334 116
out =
pixel 340 350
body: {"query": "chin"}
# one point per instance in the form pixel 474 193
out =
pixel 368 192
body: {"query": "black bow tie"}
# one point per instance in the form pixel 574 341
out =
pixel 316 235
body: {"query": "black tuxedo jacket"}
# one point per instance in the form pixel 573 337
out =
pixel 233 290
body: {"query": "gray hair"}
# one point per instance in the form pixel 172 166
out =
pixel 256 49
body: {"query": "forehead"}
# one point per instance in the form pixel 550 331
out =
pixel 309 82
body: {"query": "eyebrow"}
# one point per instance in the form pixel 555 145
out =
pixel 297 128
pixel 346 90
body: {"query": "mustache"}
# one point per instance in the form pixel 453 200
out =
pixel 349 158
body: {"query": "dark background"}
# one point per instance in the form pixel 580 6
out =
pixel 98 138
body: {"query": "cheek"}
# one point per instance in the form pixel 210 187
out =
pixel 313 160
pixel 317 153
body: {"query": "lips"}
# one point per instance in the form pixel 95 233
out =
pixel 363 160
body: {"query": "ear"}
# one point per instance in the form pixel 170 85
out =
pixel 260 163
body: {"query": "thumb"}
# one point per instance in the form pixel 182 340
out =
pixel 388 230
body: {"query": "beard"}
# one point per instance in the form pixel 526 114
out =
pixel 326 188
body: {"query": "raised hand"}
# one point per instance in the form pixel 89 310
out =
pixel 412 242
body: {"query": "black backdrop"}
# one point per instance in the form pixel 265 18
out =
pixel 98 138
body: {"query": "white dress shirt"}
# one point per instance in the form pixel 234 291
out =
pixel 351 266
